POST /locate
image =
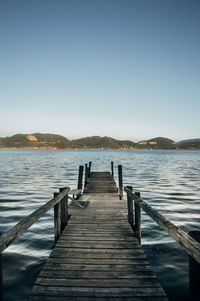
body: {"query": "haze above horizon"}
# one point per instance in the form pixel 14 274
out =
pixel 126 69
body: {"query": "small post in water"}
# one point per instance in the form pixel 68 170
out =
pixel 64 210
pixel 80 177
pixel 194 271
pixel 138 220
pixel 130 207
pixel 57 223
pixel 120 182
pixel 112 169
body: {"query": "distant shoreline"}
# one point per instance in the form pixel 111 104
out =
pixel 97 149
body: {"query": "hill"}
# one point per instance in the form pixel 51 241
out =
pixel 36 140
pixel 157 143
pixel 189 144
pixel 98 142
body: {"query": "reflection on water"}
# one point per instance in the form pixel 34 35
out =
pixel 168 180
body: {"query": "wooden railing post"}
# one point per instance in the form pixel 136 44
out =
pixel 64 210
pixel 1 278
pixel 120 182
pixel 138 220
pixel 86 174
pixel 57 222
pixel 194 272
pixel 80 177
pixel 90 165
pixel 112 169
pixel 130 207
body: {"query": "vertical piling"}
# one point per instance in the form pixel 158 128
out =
pixel 112 169
pixel 86 174
pixel 130 208
pixel 90 165
pixel 64 210
pixel 57 223
pixel 138 220
pixel 120 182
pixel 194 272
pixel 80 177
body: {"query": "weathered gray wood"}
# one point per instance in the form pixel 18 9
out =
pixel 120 182
pixel 97 255
pixel 194 272
pixel 137 226
pixel 51 298
pixel 149 282
pixel 66 274
pixel 7 238
pixel 64 210
pixel 89 170
pixel 191 246
pixel 80 177
pixel 86 174
pixel 112 169
pixel 57 219
pixel 119 261
pixel 130 208
pixel 98 292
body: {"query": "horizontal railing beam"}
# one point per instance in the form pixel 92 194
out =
pixel 7 238
pixel 191 246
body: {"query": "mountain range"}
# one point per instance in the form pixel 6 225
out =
pixel 52 141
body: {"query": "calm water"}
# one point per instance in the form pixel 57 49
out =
pixel 168 180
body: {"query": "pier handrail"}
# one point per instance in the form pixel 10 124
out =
pixel 7 238
pixel 191 246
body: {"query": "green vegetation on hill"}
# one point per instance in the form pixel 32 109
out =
pixel 35 141
pixel 38 140
pixel 189 144
pixel 101 142
pixel 157 143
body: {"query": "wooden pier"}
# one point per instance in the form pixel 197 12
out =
pixel 97 256
pixel 97 253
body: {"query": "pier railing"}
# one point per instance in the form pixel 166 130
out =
pixel 60 204
pixel 190 242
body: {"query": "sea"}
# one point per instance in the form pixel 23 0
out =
pixel 168 180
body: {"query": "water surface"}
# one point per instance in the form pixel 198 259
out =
pixel 167 180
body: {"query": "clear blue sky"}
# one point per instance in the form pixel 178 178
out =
pixel 126 69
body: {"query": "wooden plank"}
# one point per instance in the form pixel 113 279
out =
pixel 98 292
pixel 95 274
pixel 56 259
pixel 139 282
pixel 60 298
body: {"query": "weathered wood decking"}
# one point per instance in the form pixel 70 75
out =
pixel 97 257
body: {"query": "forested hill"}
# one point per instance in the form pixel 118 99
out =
pixel 52 141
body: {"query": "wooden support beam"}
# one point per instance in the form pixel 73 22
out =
pixel 120 182
pixel 80 177
pixel 194 272
pixel 130 208
pixel 86 174
pixel 90 165
pixel 138 220
pixel 57 219
pixel 112 169
pixel 64 210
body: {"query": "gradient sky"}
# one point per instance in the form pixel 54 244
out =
pixel 121 68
